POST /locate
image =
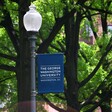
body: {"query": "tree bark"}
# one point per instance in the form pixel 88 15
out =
pixel 72 32
pixel 23 63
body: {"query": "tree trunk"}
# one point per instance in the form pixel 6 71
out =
pixel 72 32
pixel 23 65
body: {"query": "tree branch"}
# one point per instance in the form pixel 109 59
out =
pixel 96 9
pixel 7 24
pixel 108 49
pixel 105 97
pixel 7 68
pixel 44 46
pixel 97 90
pixel 8 57
pixel 7 78
pixel 57 26
pixel 17 1
pixel 56 48
pixel 58 96
pixel 62 46
pixel 83 56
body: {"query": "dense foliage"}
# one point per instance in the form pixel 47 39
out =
pixel 88 68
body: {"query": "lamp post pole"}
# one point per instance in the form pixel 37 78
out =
pixel 32 21
pixel 32 40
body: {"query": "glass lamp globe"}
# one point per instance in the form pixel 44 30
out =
pixel 32 20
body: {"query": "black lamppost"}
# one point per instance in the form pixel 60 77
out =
pixel 32 21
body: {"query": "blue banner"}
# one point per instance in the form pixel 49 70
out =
pixel 50 73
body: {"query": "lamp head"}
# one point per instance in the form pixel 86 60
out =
pixel 32 20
